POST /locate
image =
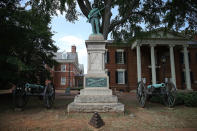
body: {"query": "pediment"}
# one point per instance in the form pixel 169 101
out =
pixel 166 35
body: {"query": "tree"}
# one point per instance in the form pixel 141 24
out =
pixel 132 15
pixel 26 43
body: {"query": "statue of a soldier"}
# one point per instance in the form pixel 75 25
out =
pixel 93 18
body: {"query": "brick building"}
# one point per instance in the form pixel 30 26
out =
pixel 68 72
pixel 155 58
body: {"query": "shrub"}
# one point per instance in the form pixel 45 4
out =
pixel 179 99
pixel 190 99
pixel 186 98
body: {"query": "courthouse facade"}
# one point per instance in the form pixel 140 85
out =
pixel 162 55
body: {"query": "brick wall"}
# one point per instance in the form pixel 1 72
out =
pixel 58 74
pixel 112 67
pixel 131 66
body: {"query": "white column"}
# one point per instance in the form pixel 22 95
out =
pixel 172 65
pixel 138 63
pixel 187 72
pixel 153 64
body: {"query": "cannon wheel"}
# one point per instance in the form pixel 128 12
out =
pixel 169 97
pixel 19 97
pixel 49 95
pixel 141 94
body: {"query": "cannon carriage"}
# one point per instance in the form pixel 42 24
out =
pixel 165 90
pixel 22 92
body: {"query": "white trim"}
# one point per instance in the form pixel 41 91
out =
pixel 156 66
pixel 184 70
pixel 138 63
pixel 172 64
pixel 187 72
pixel 154 80
pixel 120 69
pixel 63 71
pixel 119 50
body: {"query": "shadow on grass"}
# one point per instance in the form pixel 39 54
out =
pixel 34 103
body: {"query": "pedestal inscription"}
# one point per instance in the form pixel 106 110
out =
pixel 96 82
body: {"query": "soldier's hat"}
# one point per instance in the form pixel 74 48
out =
pixel 94 5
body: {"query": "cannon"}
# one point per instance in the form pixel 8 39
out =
pixel 165 90
pixel 22 92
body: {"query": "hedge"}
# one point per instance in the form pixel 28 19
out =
pixel 182 98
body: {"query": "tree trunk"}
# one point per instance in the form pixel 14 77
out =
pixel 106 19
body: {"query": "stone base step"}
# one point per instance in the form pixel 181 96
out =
pixel 95 99
pixel 96 91
pixel 95 107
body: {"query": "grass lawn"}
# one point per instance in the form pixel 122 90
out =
pixel 154 117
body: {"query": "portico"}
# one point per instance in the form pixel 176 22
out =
pixel 167 41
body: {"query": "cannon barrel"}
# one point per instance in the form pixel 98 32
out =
pixel 156 85
pixel 27 85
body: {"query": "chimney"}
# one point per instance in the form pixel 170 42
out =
pixel 73 49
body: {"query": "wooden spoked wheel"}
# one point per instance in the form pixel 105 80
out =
pixel 170 96
pixel 141 94
pixel 19 97
pixel 49 95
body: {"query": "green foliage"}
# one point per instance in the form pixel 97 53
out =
pixel 26 43
pixel 176 15
pixel 190 99
pixel 182 98
pixel 132 17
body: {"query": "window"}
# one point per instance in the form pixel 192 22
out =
pixel 106 57
pixel 108 73
pixel 63 80
pixel 63 68
pixel 183 77
pixel 121 76
pixel 64 56
pixel 191 77
pixel 181 58
pixel 120 56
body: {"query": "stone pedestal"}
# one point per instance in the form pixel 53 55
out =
pixel 96 95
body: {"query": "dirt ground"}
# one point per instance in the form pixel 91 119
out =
pixel 36 118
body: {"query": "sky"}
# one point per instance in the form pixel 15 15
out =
pixel 67 34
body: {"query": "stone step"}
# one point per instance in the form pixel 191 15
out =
pixel 95 99
pixel 96 91
pixel 95 107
